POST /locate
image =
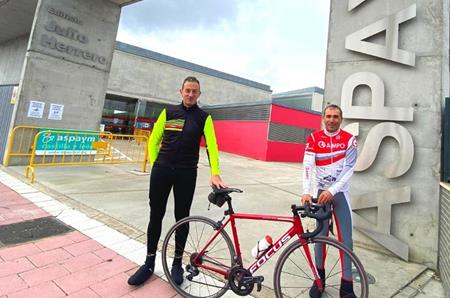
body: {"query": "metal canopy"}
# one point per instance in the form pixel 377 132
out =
pixel 16 17
pixel 123 2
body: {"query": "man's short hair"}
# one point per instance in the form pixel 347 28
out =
pixel 332 106
pixel 190 79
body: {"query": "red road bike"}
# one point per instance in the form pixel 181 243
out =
pixel 213 262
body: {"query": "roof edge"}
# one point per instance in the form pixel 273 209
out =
pixel 134 50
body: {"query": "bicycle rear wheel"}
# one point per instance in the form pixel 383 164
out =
pixel 293 276
pixel 197 231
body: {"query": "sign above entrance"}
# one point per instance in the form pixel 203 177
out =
pixel 70 32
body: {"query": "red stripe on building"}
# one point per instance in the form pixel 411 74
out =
pixel 246 138
pixel 283 115
pixel 282 151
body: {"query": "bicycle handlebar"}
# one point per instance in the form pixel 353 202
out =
pixel 313 210
pixel 316 211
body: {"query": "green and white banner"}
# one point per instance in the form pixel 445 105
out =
pixel 66 142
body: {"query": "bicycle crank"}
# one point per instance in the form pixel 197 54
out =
pixel 242 282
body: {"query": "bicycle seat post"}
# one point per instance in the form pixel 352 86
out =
pixel 230 210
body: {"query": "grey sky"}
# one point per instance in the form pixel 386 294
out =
pixel 151 15
pixel 278 43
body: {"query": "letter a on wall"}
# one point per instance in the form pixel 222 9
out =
pixel 389 51
pixel 354 3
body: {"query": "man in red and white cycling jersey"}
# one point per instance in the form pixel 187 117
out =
pixel 332 153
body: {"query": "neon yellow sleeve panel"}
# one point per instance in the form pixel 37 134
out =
pixel 156 137
pixel 211 145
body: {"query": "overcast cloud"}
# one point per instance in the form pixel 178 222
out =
pixel 278 43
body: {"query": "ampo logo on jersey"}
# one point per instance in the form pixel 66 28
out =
pixel 323 144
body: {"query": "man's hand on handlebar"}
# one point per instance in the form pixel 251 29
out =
pixel 306 199
pixel 325 197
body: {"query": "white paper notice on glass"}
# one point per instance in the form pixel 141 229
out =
pixel 55 112
pixel 36 109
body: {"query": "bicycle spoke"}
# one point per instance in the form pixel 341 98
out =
pixel 298 267
pixel 296 275
pixel 294 278
pixel 219 255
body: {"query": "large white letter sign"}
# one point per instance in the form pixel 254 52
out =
pixel 354 3
pixel 377 111
pixel 390 51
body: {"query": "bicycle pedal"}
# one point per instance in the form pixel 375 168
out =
pixel 259 280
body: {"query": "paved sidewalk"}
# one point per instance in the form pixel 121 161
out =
pixel 99 201
pixel 93 260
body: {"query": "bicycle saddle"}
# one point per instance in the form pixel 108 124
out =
pixel 219 196
pixel 226 190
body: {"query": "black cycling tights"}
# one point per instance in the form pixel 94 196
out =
pixel 161 182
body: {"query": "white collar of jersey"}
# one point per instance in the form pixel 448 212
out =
pixel 332 134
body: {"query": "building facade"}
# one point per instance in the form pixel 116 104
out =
pixel 61 67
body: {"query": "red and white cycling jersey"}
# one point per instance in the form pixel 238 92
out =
pixel 333 155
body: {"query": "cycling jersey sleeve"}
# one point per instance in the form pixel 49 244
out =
pixel 309 163
pixel 349 165
pixel 156 137
pixel 211 146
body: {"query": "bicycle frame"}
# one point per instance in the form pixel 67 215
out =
pixel 296 229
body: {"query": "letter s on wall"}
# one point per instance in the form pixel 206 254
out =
pixel 372 144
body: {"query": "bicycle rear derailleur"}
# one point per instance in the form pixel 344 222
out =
pixel 242 282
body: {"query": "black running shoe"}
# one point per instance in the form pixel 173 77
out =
pixel 177 274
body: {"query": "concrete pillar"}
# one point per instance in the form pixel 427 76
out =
pixel 67 62
pixel 387 66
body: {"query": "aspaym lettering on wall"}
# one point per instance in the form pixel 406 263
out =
pixel 384 120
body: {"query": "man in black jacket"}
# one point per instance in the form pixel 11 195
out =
pixel 174 152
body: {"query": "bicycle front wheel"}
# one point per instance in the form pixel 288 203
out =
pixel 186 239
pixel 294 277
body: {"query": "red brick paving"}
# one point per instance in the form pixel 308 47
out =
pixel 54 242
pixel 15 267
pixel 81 262
pixel 14 208
pixel 14 252
pixel 80 248
pixel 11 283
pixel 69 265
pixel 47 290
pixel 105 253
pixel 49 257
pixel 85 293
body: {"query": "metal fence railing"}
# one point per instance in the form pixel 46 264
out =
pixel 38 146
pixel 21 142
pixel 63 148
